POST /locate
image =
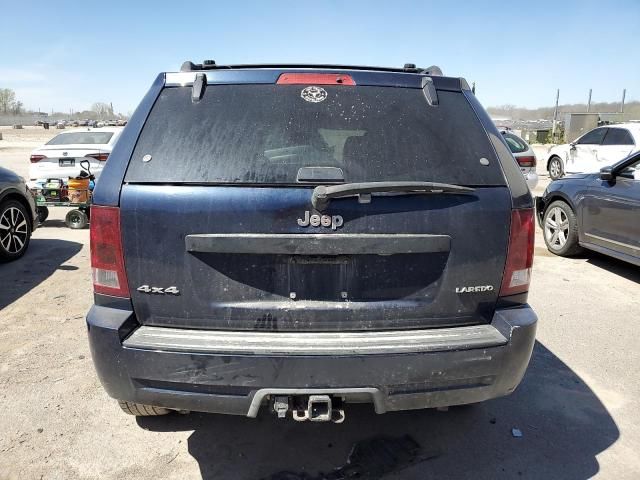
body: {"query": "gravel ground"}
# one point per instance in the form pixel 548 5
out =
pixel 577 408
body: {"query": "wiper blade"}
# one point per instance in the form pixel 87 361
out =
pixel 322 194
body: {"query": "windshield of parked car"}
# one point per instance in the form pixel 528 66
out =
pixel 516 144
pixel 90 138
pixel 266 133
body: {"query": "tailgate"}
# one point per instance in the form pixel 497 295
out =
pixel 240 259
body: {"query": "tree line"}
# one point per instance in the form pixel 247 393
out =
pixel 10 105
pixel 631 110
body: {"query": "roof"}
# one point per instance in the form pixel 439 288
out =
pixel 635 127
pixel 189 66
pixel 409 76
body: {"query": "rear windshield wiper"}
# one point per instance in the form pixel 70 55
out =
pixel 322 194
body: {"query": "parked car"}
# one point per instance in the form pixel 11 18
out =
pixel 595 149
pixel 17 216
pixel 242 260
pixel 61 124
pixel 597 211
pixel 524 155
pixel 60 157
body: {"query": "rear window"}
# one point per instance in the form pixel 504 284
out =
pixel 89 138
pixel 516 144
pixel 618 136
pixel 263 134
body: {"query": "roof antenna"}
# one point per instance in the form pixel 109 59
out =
pixel 199 86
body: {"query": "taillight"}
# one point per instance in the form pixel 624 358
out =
pixel 315 79
pixel 529 161
pixel 517 270
pixel 107 260
pixel 37 158
pixel 98 156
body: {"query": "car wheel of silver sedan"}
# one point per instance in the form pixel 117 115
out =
pixel 560 229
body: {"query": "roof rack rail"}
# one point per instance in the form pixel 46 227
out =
pixel 189 66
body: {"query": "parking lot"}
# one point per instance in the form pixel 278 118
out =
pixel 577 408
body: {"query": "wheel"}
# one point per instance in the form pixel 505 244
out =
pixel 561 229
pixel 15 230
pixel 556 170
pixel 43 214
pixel 140 410
pixel 76 219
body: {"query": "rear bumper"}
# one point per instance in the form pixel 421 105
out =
pixel 44 171
pixel 184 371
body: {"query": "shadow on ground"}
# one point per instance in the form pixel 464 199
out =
pixel 563 423
pixel 43 257
pixel 618 267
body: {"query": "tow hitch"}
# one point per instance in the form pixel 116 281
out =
pixel 315 408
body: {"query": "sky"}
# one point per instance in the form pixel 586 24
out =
pixel 67 55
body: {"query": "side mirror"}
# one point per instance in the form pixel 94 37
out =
pixel 606 173
pixel 629 173
pixel 572 144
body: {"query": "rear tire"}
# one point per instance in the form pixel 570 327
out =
pixel 555 168
pixel 141 410
pixel 43 214
pixel 76 219
pixel 560 229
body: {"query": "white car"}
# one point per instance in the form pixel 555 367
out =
pixel 595 149
pixel 60 157
pixel 524 155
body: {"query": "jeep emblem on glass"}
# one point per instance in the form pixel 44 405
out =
pixel 315 220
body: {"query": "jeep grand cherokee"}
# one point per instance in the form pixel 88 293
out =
pixel 296 238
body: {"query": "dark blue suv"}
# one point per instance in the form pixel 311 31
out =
pixel 296 238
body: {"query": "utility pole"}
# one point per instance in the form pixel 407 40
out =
pixel 624 94
pixel 589 102
pixel 555 115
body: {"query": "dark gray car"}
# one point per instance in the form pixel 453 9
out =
pixel 17 216
pixel 598 211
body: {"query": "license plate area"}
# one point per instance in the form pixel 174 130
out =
pixel 67 162
pixel 319 277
